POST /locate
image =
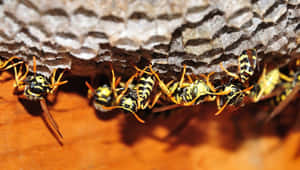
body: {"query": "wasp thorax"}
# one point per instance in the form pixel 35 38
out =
pixel 36 87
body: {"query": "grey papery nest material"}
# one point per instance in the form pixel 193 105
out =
pixel 81 35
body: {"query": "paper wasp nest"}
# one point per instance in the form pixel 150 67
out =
pixel 82 34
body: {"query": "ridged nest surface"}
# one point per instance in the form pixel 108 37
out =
pixel 84 35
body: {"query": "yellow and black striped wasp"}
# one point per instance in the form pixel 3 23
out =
pixel 137 96
pixel 246 66
pixel 107 98
pixel 183 93
pixel 144 88
pixel 235 95
pixel 37 87
pixel 287 95
pixel 267 83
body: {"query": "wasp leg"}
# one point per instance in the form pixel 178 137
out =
pixel 190 79
pixel 120 107
pixel 55 84
pixel 164 108
pixel 164 87
pixel 113 81
pixel 157 96
pixel 247 90
pixel 129 81
pixel 13 65
pixel 49 117
pixel 262 78
pixel 228 73
pixel 182 76
pixel 3 65
pixel 223 107
pixel 50 122
pixel 161 84
pixel 91 91
pixel 19 77
pixel 286 78
pixel 117 82
pixel 211 86
pixel 34 65
pixel 207 79
pixel 143 71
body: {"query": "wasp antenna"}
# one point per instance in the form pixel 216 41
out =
pixel 90 87
pixel 223 107
pixel 182 76
pixel 121 107
pixel 118 81
pixel 137 117
pixel 34 65
pixel 49 117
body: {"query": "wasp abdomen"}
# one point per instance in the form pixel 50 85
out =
pixel 145 87
pixel 129 102
pixel 247 64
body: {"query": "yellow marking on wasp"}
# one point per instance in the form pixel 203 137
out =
pixel 128 101
pixel 242 57
pixel 245 64
pixel 283 97
pixel 33 94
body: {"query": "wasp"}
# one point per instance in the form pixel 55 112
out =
pixel 267 83
pixel 107 98
pixel 190 93
pixel 138 96
pixel 144 88
pixel 234 97
pixel 247 64
pixel 282 100
pixel 37 87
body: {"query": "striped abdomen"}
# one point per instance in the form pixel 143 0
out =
pixel 103 96
pixel 145 87
pixel 129 101
pixel 247 64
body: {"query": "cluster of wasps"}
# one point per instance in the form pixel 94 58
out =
pixel 248 83
pixel 139 92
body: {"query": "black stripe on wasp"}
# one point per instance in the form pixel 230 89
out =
pixel 126 96
pixel 37 87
